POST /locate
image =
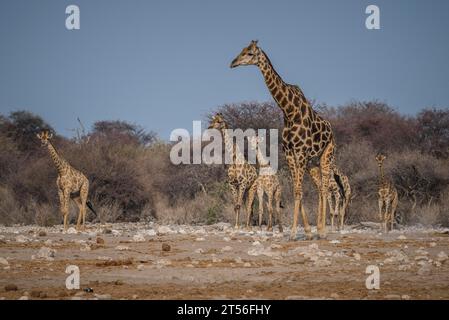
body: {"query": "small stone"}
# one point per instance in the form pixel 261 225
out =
pixel 225 249
pixel 256 243
pixel 425 270
pixel 135 296
pixel 163 230
pixel 200 239
pixel 85 247
pixel 442 257
pixel 402 237
pixel 22 239
pixel 100 240
pixel 107 231
pixel 335 295
pixel 227 239
pixel 11 287
pixel 334 241
pixel 122 248
pixel 46 253
pixel 102 296
pixel 42 233
pixel 140 267
pixel 118 282
pixel 35 293
pixel 23 298
pixel 71 230
pixel 4 262
pixel 433 244
pixel 199 250
pixel 357 256
pixel 393 297
pixel 166 247
pixel 138 238
pixel 247 265
pixel 405 297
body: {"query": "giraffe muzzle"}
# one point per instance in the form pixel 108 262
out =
pixel 234 63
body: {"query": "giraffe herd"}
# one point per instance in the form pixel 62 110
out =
pixel 308 144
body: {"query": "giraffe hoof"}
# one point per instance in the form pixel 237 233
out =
pixel 270 229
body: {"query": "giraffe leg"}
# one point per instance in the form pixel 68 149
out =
pixel 260 194
pixel 249 206
pixel 64 198
pixel 80 214
pixel 332 211
pixel 393 209
pixel 387 214
pixel 299 206
pixel 241 191
pixel 326 162
pixel 270 211
pixel 277 200
pixel 83 198
pixel 234 192
pixel 337 207
pixel 343 213
pixel 380 205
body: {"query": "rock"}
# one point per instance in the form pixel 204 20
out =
pixel 42 233
pixel 404 267
pixel 38 294
pixel 140 267
pixel 107 231
pixel 199 250
pixel 405 297
pixel 334 241
pixel 122 248
pixel 85 247
pixel 71 230
pixel 118 282
pixel 164 230
pixel 418 258
pixel 200 239
pixel 357 256
pixel 442 257
pixel 138 238
pixel 48 242
pixel 392 297
pixel 425 270
pixel 402 237
pixel 226 248
pixel 433 244
pixel 135 296
pixel 275 246
pixel 166 247
pixel 151 233
pixel 396 256
pixel 335 295
pixel 238 260
pixel 247 265
pixel 22 239
pixel 322 263
pixel 46 253
pixel 102 296
pixel 256 243
pixel 11 287
pixel 23 298
pixel 4 262
pixel 100 240
pixel 227 239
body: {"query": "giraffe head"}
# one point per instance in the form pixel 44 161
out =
pixel 218 122
pixel 248 56
pixel 380 159
pixel 44 137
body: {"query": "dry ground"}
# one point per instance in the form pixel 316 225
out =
pixel 216 262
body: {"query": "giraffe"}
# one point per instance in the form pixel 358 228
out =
pixel 307 138
pixel 267 183
pixel 338 196
pixel 71 183
pixel 388 196
pixel 241 174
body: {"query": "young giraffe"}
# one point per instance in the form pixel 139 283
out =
pixel 306 136
pixel 338 196
pixel 388 196
pixel 266 183
pixel 71 183
pixel 241 175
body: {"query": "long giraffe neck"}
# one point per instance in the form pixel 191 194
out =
pixel 59 162
pixel 289 98
pixel 232 148
pixel 381 174
pixel 260 156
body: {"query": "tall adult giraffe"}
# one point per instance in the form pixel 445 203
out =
pixel 71 183
pixel 306 136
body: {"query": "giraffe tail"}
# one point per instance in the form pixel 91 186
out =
pixel 90 206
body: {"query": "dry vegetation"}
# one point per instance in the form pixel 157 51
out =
pixel 132 178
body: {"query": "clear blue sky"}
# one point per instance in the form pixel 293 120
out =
pixel 162 64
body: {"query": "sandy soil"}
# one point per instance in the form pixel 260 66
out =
pixel 148 261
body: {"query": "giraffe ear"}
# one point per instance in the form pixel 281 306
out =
pixel 50 136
